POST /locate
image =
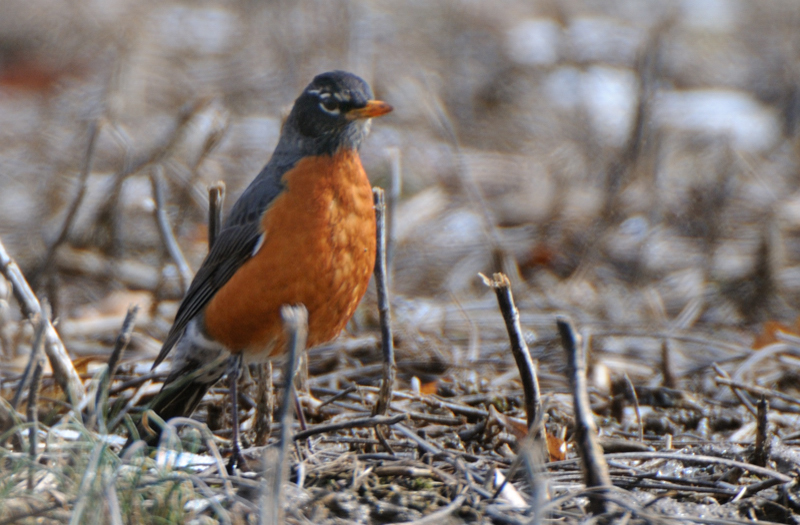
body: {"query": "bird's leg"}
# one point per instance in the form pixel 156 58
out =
pixel 234 371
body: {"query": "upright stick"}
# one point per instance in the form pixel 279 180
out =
pixel 385 395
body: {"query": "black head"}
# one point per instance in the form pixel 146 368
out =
pixel 333 112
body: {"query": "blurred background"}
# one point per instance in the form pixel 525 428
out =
pixel 631 163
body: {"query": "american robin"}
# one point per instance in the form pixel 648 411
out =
pixel 303 232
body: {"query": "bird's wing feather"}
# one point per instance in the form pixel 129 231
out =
pixel 233 247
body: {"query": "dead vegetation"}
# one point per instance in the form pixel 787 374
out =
pixel 631 166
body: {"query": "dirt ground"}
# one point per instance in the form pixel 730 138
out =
pixel 633 166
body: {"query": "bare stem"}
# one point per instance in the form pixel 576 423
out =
pixel 216 198
pixel 519 348
pixel 123 339
pixel 761 453
pixel 385 395
pixel 594 466
pixel 167 237
pixel 63 370
pixel 72 212
pixel 295 323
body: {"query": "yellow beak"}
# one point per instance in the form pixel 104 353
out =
pixel 374 108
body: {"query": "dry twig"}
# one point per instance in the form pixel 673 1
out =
pixel 216 199
pixel 295 322
pixel 385 395
pixel 167 237
pixel 667 373
pixel 107 215
pixel 33 360
pixel 365 422
pixel 760 453
pixel 63 370
pixel 637 409
pixel 33 398
pixel 72 212
pixel 593 464
pixel 392 198
pixel 519 348
pixel 731 384
pixel 387 341
pixel 121 343
pixel 757 390
pixel 264 404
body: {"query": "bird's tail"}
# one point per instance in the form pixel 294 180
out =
pixel 184 388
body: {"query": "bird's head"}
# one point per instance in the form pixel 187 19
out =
pixel 334 111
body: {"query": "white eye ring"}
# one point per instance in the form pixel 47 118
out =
pixel 334 111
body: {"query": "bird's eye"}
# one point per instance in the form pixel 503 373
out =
pixel 330 105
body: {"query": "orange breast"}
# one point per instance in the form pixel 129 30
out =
pixel 318 250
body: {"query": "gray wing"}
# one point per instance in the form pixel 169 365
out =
pixel 233 247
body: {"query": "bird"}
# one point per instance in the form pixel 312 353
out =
pixel 302 233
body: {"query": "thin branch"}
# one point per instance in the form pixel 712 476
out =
pixel 107 215
pixel 295 323
pixel 519 348
pixel 692 458
pixel 637 409
pixel 33 419
pixel 760 453
pixel 387 343
pixel 594 466
pixel 364 422
pixel 392 199
pixel 744 400
pixel 667 373
pixel 122 341
pixel 63 370
pixel 298 407
pixel 167 237
pixel 757 390
pixel 336 397
pixel 264 404
pixel 457 408
pixel 422 443
pixel 216 199
pixel 33 359
pixel 72 212
pixel 33 396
